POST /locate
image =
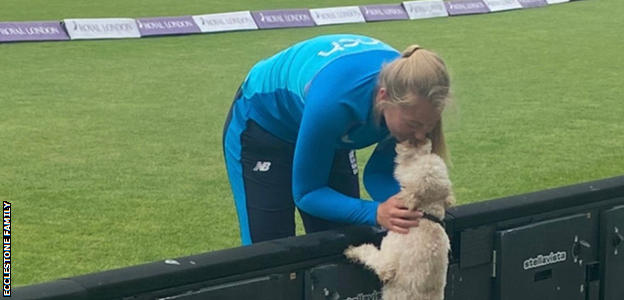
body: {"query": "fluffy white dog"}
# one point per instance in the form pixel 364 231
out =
pixel 413 266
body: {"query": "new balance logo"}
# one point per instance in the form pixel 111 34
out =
pixel 262 166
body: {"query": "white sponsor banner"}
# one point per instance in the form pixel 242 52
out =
pixel 500 5
pixel 241 20
pixel 557 1
pixel 81 29
pixel 337 15
pixel 425 9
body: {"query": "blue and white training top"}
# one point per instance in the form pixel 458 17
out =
pixel 319 95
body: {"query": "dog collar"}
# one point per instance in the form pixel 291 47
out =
pixel 434 219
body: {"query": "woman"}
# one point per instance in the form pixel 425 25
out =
pixel 296 120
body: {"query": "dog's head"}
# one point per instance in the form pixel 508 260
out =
pixel 423 177
pixel 407 152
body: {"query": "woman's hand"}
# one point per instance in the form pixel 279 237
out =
pixel 393 216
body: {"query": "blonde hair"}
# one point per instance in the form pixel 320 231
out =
pixel 423 74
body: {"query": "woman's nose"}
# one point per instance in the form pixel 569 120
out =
pixel 421 136
pixel 417 139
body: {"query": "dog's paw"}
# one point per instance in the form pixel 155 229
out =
pixel 360 253
pixel 351 253
pixel 386 275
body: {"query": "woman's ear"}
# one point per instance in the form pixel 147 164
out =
pixel 382 95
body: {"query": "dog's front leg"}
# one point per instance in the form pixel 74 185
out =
pixel 370 256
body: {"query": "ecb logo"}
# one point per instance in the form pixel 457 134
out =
pixel 345 43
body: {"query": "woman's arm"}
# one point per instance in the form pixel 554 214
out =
pixel 378 174
pixel 330 110
pixel 321 127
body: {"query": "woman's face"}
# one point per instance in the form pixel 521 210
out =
pixel 412 123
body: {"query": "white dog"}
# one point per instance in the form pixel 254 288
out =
pixel 413 266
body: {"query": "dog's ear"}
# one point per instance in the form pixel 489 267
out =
pixel 408 198
pixel 450 201
pixel 413 203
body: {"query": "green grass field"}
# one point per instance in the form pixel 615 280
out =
pixel 110 150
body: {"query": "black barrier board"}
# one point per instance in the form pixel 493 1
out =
pixel 342 282
pixel 613 253
pixel 63 289
pixel 468 284
pixel 271 287
pixel 476 246
pixel 491 241
pixel 545 260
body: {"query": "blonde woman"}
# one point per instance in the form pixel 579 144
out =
pixel 297 119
